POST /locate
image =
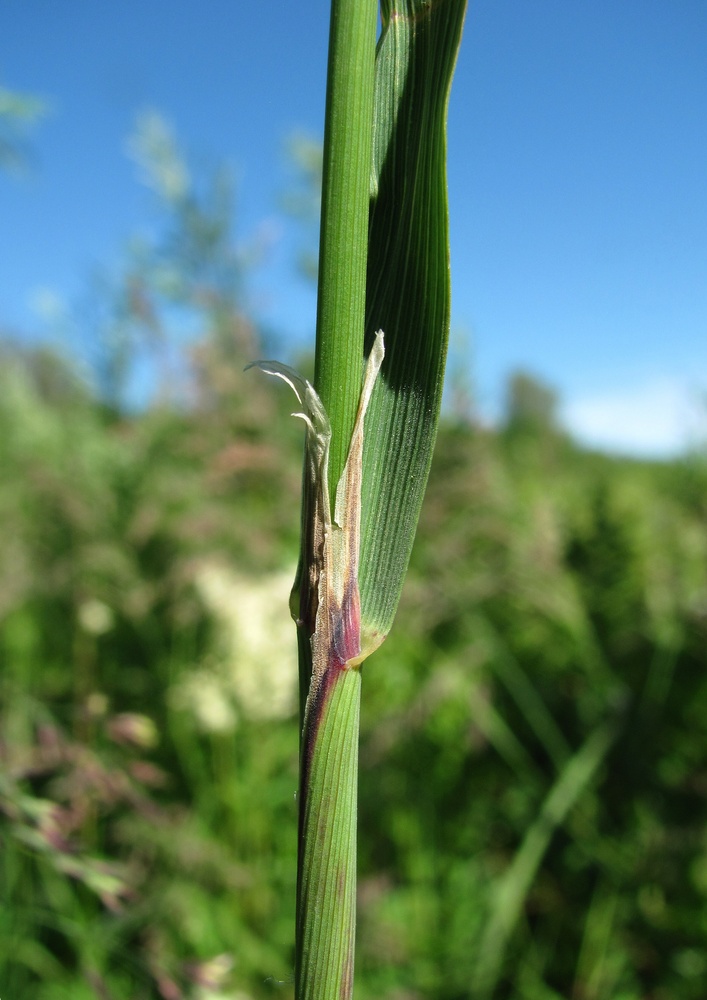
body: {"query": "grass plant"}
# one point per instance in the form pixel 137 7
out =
pixel 383 290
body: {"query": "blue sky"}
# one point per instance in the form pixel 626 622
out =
pixel 577 175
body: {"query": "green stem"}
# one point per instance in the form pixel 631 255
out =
pixel 343 245
pixel 326 875
pixel 326 884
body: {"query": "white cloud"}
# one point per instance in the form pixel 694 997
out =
pixel 657 419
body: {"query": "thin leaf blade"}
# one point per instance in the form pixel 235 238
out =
pixel 408 288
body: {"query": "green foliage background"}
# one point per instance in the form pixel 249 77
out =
pixel 534 732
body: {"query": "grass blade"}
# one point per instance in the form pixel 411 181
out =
pixel 513 887
pixel 403 148
pixel 408 290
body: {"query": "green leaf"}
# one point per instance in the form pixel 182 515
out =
pixel 408 289
pixel 512 888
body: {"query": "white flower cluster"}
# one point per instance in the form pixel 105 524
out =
pixel 253 674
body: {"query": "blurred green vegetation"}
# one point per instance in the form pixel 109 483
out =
pixel 19 113
pixel 534 732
